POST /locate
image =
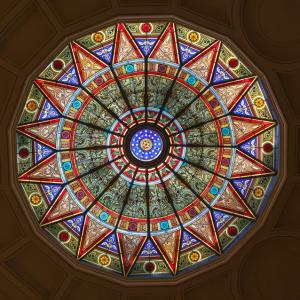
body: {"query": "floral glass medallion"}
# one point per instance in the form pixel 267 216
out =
pixel 146 144
pixel 147 149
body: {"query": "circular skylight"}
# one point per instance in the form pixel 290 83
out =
pixel 147 149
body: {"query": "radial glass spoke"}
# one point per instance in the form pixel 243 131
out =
pixel 168 94
pixel 200 124
pixel 187 106
pixel 126 199
pixel 113 114
pixel 169 199
pixel 188 186
pixel 123 93
pixel 89 125
pixel 106 188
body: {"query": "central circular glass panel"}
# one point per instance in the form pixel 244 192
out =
pixel 146 144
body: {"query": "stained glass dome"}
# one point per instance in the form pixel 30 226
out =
pixel 147 149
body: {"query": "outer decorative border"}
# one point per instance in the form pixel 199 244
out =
pixel 281 177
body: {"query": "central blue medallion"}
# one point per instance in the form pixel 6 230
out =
pixel 146 144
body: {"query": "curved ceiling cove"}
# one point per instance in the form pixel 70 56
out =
pixel 147 149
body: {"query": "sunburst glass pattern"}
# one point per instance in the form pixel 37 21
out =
pixel 146 149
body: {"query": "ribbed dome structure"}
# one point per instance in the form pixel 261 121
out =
pixel 147 149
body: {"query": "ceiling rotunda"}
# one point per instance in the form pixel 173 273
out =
pixel 147 149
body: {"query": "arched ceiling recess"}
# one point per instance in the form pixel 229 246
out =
pixel 148 149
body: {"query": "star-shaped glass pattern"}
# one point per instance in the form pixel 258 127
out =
pixel 146 144
pixel 147 149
